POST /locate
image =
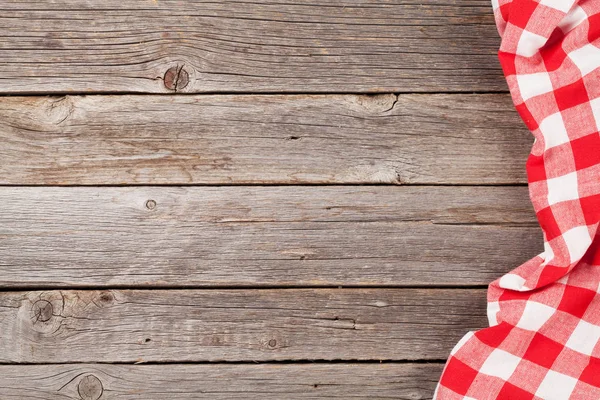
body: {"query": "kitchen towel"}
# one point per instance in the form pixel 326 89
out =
pixel 544 336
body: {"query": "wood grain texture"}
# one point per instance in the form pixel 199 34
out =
pixel 256 236
pixel 220 381
pixel 236 325
pixel 321 139
pixel 239 46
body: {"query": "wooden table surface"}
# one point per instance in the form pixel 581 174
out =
pixel 251 199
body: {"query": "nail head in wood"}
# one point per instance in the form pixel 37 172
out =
pixel 90 388
pixel 176 78
pixel 42 311
pixel 151 204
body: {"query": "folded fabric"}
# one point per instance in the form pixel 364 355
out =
pixel 543 340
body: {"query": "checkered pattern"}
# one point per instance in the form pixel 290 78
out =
pixel 544 335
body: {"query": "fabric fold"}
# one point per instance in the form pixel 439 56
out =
pixel 543 339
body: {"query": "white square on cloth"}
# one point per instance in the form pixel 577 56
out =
pixel 535 315
pixel 587 58
pixel 556 386
pixel 578 241
pixel 531 85
pixel 501 364
pixel 529 44
pixel 560 5
pixel 562 188
pixel 554 131
pixel 584 338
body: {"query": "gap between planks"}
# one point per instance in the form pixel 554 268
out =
pixel 250 93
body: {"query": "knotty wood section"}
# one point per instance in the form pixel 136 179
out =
pixel 236 325
pixel 239 46
pixel 220 381
pixel 300 139
pixel 252 236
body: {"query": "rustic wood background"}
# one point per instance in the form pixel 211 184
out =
pixel 251 200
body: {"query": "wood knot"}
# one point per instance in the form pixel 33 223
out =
pixel 59 109
pixel 150 204
pixel 272 343
pixel 106 297
pixel 176 78
pixel 90 388
pixel 42 311
pixel 377 103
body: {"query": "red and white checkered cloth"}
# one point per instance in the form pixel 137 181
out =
pixel 544 335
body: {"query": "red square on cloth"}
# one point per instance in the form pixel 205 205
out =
pixel 527 117
pixel 553 53
pixel 536 170
pixel 521 12
pixel 495 335
pixel 590 206
pixel 586 151
pixel 548 223
pixel 591 374
pixel 576 300
pixel 458 376
pixel 543 351
pixel 594 28
pixel 571 95
pixel 511 392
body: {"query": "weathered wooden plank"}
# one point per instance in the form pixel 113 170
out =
pixel 239 46
pixel 424 139
pixel 236 325
pixel 298 236
pixel 220 381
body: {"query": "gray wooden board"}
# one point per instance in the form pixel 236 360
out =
pixel 235 325
pixel 149 237
pixel 219 381
pixel 241 46
pixel 291 236
pixel 265 139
